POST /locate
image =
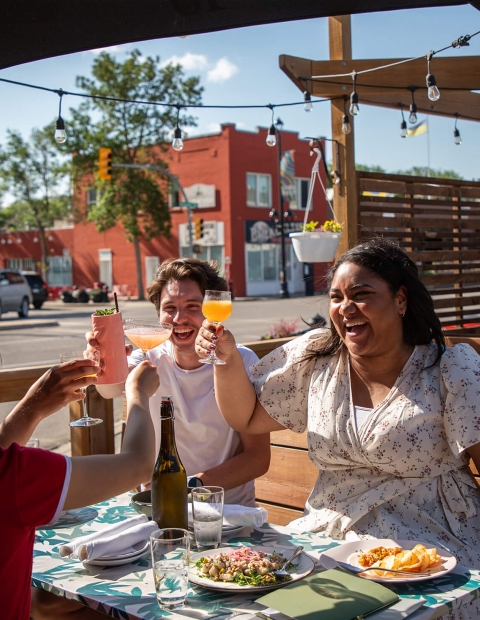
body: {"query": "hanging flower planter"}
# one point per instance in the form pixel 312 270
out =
pixel 315 247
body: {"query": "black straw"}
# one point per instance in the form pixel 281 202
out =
pixel 116 301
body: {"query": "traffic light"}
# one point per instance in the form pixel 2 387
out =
pixel 198 228
pixel 105 164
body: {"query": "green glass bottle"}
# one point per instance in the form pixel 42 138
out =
pixel 169 479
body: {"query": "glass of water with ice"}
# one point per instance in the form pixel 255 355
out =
pixel 207 505
pixel 170 559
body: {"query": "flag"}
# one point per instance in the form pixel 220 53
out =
pixel 287 176
pixel 419 128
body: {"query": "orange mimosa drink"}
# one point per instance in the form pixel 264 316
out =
pixel 216 311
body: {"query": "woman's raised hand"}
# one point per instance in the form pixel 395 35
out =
pixel 215 338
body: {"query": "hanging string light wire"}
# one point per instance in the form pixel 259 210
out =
pixel 346 127
pixel 354 109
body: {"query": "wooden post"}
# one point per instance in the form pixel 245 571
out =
pixel 346 192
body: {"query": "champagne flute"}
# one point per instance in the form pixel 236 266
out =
pixel 85 420
pixel 216 307
pixel 146 335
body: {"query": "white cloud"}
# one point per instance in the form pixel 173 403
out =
pixel 112 49
pixel 223 70
pixel 190 62
pixel 214 127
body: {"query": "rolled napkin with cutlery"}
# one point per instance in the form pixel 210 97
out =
pixel 70 549
pixel 235 514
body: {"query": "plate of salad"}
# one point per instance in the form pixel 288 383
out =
pixel 246 568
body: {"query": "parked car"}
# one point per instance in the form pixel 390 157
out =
pixel 15 293
pixel 38 287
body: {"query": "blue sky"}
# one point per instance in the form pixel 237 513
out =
pixel 241 67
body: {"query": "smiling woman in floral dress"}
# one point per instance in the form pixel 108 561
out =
pixel 393 416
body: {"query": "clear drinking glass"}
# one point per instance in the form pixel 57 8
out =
pixel 170 550
pixel 207 507
pixel 216 307
pixel 94 354
pixel 146 334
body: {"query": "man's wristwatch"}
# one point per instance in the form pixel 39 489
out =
pixel 194 481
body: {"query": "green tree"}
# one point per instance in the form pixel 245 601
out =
pixel 33 173
pixel 137 134
pixel 424 171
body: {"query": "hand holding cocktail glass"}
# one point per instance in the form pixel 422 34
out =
pixel 216 308
pixel 93 355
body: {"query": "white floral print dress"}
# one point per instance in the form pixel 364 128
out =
pixel 403 474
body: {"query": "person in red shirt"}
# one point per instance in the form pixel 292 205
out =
pixel 35 485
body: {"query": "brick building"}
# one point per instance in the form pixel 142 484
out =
pixel 233 177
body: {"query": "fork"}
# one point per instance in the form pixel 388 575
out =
pixel 281 572
pixel 357 569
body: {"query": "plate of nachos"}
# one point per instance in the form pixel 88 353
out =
pixel 405 555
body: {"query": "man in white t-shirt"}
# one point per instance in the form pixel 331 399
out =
pixel 210 450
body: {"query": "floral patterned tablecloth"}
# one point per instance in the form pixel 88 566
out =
pixel 128 592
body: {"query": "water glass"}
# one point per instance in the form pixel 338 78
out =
pixel 207 507
pixel 170 559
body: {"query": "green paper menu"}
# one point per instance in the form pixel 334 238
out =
pixel 329 595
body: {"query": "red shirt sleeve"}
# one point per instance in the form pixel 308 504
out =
pixel 38 479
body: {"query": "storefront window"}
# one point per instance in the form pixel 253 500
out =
pixel 254 263
pixel 258 190
pixel 269 261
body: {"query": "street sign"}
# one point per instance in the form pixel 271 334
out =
pixel 189 205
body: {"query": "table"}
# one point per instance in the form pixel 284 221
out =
pixel 128 592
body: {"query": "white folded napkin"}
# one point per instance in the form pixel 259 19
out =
pixel 235 514
pixel 116 544
pixel 69 550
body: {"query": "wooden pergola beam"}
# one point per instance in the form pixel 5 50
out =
pixel 455 72
pixel 465 105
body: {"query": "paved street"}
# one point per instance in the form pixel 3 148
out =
pixel 61 327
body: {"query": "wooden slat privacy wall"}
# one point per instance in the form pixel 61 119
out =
pixel 438 222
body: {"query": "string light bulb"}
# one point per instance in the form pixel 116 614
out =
pixel 308 101
pixel 412 119
pixel 403 126
pixel 272 136
pixel 354 109
pixel 432 89
pixel 456 134
pixel 177 142
pixel 60 134
pixel 346 127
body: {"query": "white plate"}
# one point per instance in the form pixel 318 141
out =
pixel 226 529
pixel 305 566
pixel 349 552
pixel 122 558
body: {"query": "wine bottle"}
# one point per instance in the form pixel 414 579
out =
pixel 169 479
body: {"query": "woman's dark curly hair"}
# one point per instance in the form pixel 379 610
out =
pixel 385 259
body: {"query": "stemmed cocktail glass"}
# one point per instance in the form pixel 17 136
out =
pixel 93 354
pixel 146 335
pixel 216 307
